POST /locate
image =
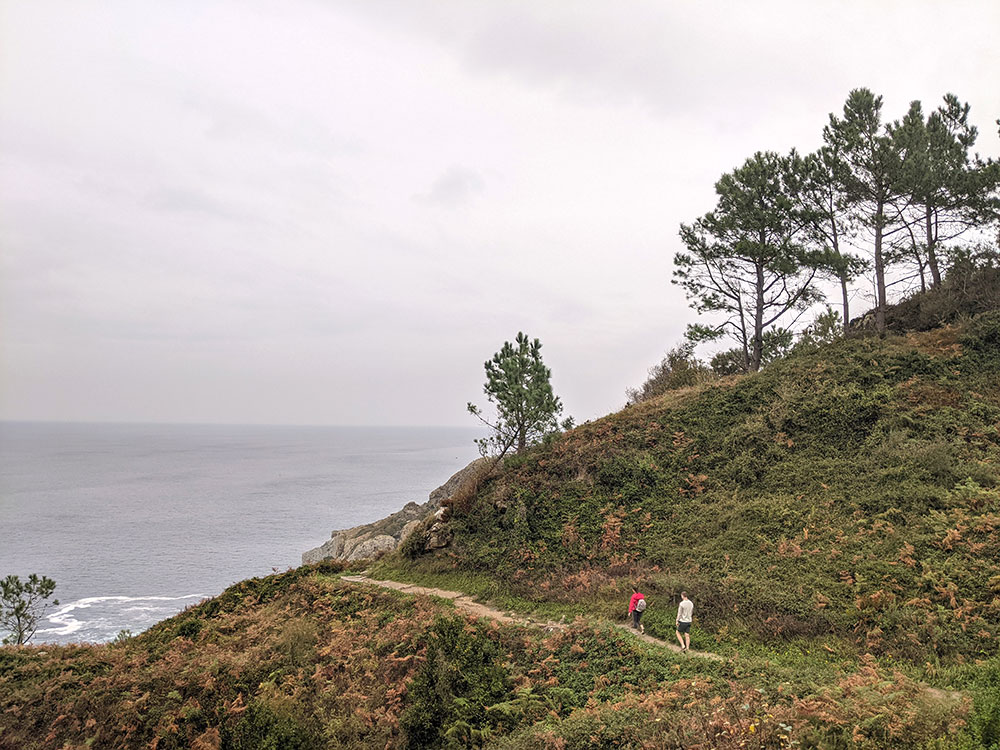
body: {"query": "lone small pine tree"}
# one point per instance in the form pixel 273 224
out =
pixel 22 604
pixel 517 382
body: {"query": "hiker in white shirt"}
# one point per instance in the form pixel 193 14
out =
pixel 685 611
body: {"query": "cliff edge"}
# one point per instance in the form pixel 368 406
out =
pixel 377 538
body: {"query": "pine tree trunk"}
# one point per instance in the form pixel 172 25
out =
pixel 847 313
pixel 744 340
pixel 880 304
pixel 931 254
pixel 758 322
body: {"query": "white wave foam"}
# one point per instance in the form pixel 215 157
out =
pixel 67 624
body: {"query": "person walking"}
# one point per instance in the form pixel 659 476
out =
pixel 685 611
pixel 636 606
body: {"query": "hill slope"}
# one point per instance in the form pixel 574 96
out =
pixel 850 490
pixel 306 660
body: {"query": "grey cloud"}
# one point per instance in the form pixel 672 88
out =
pixel 670 59
pixel 183 200
pixel 578 55
pixel 665 57
pixel 763 59
pixel 227 118
pixel 455 186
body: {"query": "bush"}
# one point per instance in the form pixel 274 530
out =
pixel 298 640
pixel 678 369
pixel 971 287
pixel 981 342
pixel 447 700
pixel 189 629
pixel 825 329
pixel 414 545
pixel 261 728
pixel 984 724
pixel 728 362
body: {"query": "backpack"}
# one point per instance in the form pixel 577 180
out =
pixel 640 606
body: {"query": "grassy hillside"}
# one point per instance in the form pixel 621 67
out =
pixel 304 660
pixel 851 490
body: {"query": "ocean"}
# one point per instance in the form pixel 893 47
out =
pixel 137 522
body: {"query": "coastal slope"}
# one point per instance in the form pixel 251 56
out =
pixel 835 518
pixel 850 490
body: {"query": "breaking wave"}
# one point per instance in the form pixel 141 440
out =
pixel 101 618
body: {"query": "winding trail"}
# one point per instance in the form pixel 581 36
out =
pixel 467 604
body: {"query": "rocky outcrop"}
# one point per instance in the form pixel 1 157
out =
pixel 438 533
pixel 385 535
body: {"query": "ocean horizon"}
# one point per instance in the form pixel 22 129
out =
pixel 136 521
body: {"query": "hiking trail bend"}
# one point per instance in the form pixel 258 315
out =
pixel 467 604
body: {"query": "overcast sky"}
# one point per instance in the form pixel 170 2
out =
pixel 309 211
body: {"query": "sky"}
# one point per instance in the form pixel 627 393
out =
pixel 325 212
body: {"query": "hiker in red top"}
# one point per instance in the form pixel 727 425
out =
pixel 636 606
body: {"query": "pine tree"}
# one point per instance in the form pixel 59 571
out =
pixel 948 189
pixel 518 383
pixel 22 604
pixel 872 180
pixel 748 258
pixel 825 200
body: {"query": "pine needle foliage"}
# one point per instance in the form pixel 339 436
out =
pixel 518 384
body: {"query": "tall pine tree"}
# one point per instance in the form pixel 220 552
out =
pixel 825 202
pixel 872 181
pixel 949 189
pixel 748 259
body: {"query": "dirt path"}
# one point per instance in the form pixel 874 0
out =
pixel 461 601
pixel 478 609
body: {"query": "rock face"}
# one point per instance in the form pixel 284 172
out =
pixel 375 539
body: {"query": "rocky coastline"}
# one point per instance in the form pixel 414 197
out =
pixel 385 535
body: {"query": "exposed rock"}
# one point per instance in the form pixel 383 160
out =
pixel 385 535
pixel 373 547
pixel 438 536
pixel 863 323
pixel 456 480
pixel 407 530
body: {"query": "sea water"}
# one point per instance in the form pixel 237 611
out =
pixel 137 522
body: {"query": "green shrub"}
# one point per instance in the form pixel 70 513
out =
pixel 447 698
pixel 981 341
pixel 678 369
pixel 984 723
pixel 261 728
pixel 415 543
pixel 189 629
pixel 298 640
